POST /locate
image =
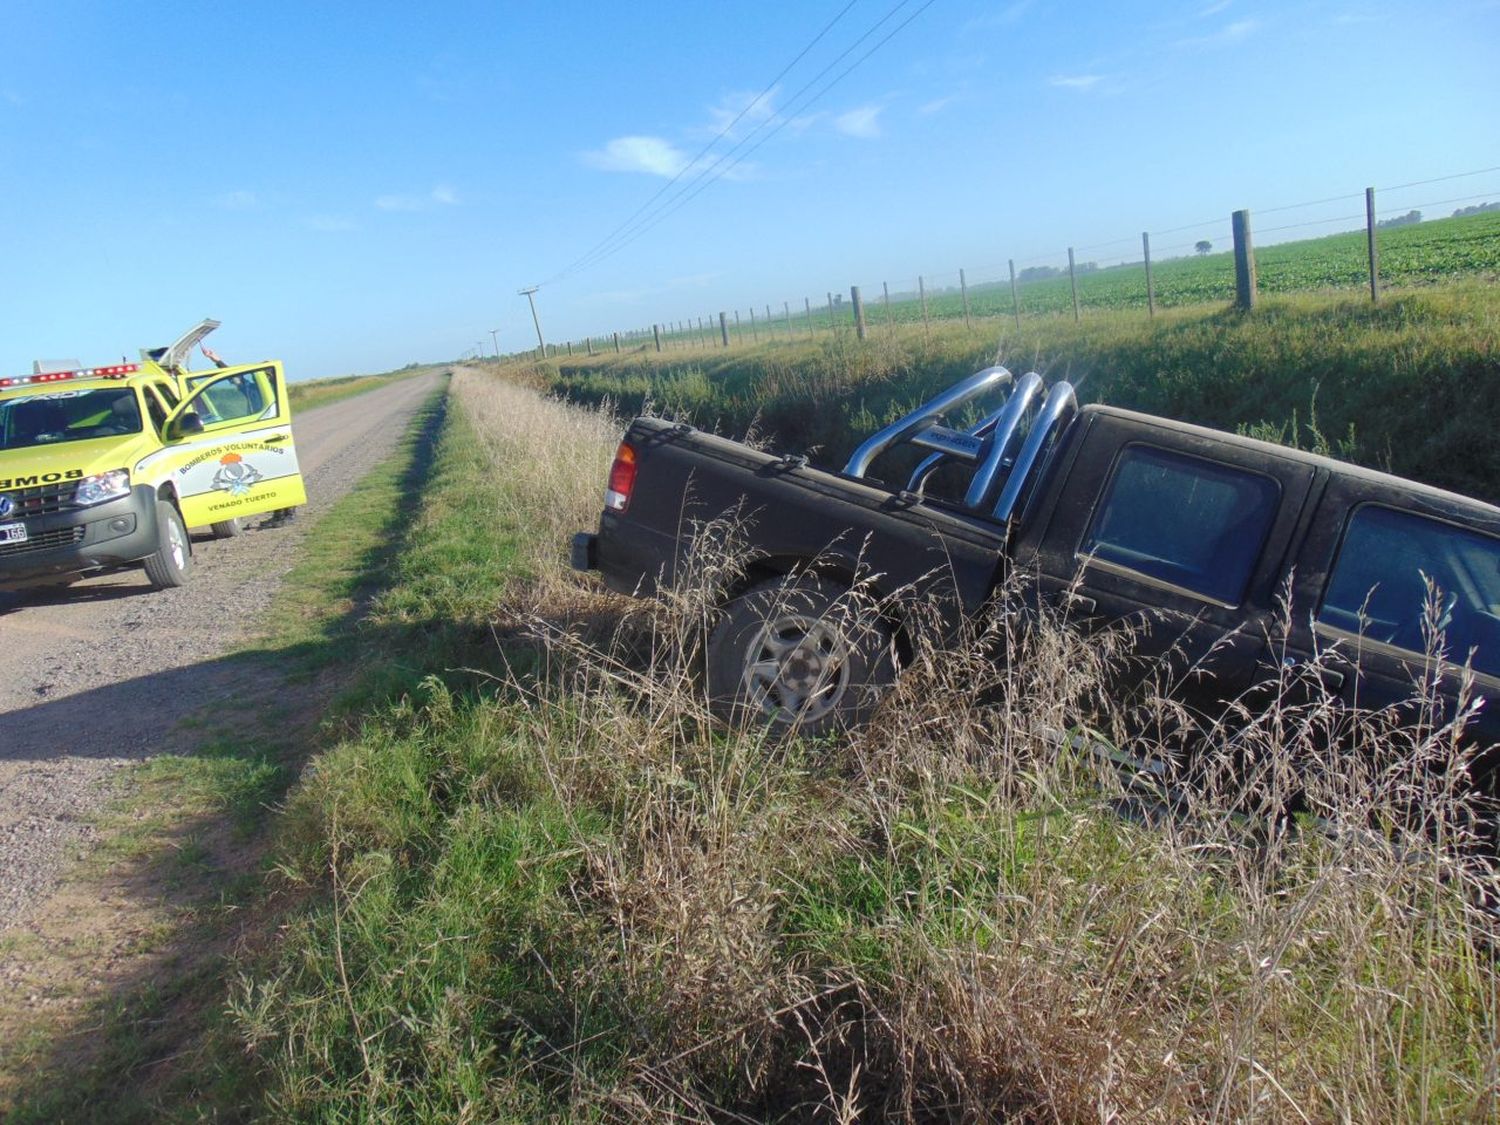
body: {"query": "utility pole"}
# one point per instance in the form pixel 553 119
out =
pixel 495 335
pixel 530 300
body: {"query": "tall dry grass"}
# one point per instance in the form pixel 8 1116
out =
pixel 577 896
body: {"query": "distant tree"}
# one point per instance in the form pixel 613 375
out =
pixel 1477 209
pixel 1405 220
pixel 1203 246
pixel 1038 273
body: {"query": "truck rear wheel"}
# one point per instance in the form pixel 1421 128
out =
pixel 169 564
pixel 227 529
pixel 800 654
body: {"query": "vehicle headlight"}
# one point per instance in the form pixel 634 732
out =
pixel 102 486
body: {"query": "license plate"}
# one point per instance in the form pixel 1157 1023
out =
pixel 12 533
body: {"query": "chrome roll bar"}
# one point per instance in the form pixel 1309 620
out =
pixel 1058 409
pixel 925 417
pixel 980 429
pixel 983 482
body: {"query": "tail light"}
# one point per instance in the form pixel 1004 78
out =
pixel 621 479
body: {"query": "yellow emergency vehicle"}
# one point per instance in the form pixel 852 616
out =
pixel 108 467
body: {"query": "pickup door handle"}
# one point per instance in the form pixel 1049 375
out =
pixel 1067 600
pixel 275 438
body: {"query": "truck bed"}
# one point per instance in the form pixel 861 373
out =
pixel 695 491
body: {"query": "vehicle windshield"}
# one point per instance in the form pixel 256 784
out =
pixel 58 416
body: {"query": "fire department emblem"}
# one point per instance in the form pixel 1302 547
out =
pixel 235 475
pixel 7 505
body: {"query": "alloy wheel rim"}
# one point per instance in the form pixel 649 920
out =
pixel 798 669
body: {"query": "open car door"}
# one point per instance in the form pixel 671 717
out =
pixel 230 448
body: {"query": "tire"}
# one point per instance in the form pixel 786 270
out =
pixel 169 564
pixel 798 654
pixel 227 529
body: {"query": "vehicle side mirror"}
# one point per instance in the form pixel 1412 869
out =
pixel 188 423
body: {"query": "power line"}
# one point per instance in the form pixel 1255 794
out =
pixel 707 176
pixel 724 132
pixel 689 193
pixel 1440 179
pixel 600 254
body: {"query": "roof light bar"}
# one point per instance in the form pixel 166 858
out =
pixel 118 371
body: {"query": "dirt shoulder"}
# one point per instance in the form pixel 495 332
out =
pixel 110 674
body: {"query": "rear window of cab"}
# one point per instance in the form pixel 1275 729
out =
pixel 1399 577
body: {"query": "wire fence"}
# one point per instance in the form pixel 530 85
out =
pixel 1337 242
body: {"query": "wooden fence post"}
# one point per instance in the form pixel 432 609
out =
pixel 570 347
pixel 786 307
pixel 656 332
pixel 617 341
pixel 1150 288
pixel 754 334
pixel 859 311
pixel 588 342
pixel 1015 292
pixel 1374 254
pixel 922 292
pixel 832 325
pixel 1244 263
pixel 807 304
pixel 886 289
pixel 1073 281
pixel 963 287
pixel 724 329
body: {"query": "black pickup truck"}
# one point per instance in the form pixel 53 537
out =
pixel 1198 536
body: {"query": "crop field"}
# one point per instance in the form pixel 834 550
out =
pixel 1422 254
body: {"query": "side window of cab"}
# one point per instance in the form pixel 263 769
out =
pixel 1185 521
pixel 156 409
pixel 1394 570
pixel 236 399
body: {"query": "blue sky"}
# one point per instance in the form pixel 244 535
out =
pixel 352 187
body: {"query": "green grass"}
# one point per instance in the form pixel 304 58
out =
pixel 556 894
pixel 1404 385
pixel 527 881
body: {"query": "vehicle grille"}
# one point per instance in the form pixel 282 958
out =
pixel 42 500
pixel 63 537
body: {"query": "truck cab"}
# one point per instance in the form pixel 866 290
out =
pixel 103 468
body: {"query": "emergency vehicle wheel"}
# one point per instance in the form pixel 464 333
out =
pixel 799 654
pixel 227 529
pixel 168 566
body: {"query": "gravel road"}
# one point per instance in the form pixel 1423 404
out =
pixel 100 675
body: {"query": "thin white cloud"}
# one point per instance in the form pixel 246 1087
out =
pixel 441 195
pixel 861 122
pixel 651 155
pixel 1214 9
pixel 756 110
pixel 1083 83
pixel 1236 32
pixel 240 200
pixel 330 223
pixel 937 105
pixel 1006 16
